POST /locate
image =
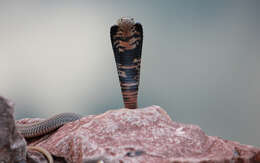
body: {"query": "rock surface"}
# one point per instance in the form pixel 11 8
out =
pixel 12 144
pixel 140 136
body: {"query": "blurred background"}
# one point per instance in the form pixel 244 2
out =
pixel 200 60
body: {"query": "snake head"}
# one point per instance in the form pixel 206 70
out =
pixel 126 26
pixel 125 21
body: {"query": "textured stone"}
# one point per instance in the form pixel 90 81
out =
pixel 141 135
pixel 12 144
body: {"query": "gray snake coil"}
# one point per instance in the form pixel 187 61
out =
pixel 46 126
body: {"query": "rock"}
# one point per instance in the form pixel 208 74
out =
pixel 140 135
pixel 12 144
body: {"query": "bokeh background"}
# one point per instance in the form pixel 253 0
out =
pixel 200 60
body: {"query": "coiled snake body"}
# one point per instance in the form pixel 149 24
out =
pixel 46 126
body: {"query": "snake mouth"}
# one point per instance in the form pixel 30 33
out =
pixel 127 40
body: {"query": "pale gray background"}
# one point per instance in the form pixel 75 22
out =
pixel 200 60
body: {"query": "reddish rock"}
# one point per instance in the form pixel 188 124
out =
pixel 141 135
pixel 12 144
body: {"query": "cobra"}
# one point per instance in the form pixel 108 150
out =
pixel 127 39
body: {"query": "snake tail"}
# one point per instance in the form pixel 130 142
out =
pixel 127 40
pixel 43 151
pixel 46 126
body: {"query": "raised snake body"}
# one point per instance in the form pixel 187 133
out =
pixel 127 40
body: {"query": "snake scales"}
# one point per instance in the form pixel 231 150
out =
pixel 46 126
